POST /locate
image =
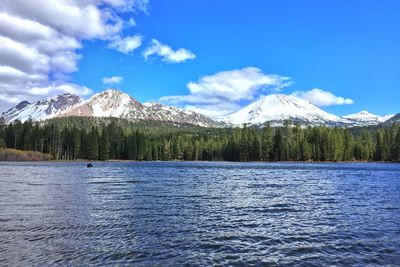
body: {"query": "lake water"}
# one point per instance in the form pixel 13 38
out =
pixel 185 213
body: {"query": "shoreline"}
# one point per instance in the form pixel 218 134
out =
pixel 193 161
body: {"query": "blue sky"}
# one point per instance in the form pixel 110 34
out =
pixel 348 48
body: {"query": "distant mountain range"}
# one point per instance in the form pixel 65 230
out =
pixel 274 108
pixel 110 103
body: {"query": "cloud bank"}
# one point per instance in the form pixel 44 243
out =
pixel 40 40
pixel 222 93
pixel 322 98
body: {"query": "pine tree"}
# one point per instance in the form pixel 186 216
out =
pixel 155 153
pixel 92 145
pixel 104 147
pixel 130 143
pixel 278 149
pixel 396 156
pixel 379 150
pixel 305 150
pixel 76 144
pixel 348 145
pixel 266 142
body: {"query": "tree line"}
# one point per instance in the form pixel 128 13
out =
pixel 116 139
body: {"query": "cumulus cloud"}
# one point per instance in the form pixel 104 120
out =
pixel 222 93
pixel 322 98
pixel 112 80
pixel 81 19
pixel 127 44
pixel 166 53
pixel 40 42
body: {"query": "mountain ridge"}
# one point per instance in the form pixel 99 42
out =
pixel 115 103
pixel 273 108
pixel 42 109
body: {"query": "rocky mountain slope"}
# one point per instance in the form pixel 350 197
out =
pixel 110 103
pixel 114 103
pixel 41 110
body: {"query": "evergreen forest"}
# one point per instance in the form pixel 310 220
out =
pixel 78 138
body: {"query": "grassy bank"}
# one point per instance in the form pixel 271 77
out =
pixel 8 154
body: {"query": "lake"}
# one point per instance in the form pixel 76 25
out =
pixel 199 213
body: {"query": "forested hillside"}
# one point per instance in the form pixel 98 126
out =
pixel 104 139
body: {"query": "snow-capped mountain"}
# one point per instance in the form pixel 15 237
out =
pixel 276 108
pixel 366 118
pixel 114 103
pixel 109 103
pixel 41 110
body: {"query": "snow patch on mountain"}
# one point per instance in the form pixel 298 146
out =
pixel 109 103
pixel 276 108
pixel 41 110
pixel 114 103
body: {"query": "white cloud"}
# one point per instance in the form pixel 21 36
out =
pixel 55 89
pixel 40 42
pixel 322 98
pixel 113 80
pixel 222 93
pixel 167 53
pixel 82 19
pixel 127 44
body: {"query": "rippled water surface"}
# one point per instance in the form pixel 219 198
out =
pixel 157 213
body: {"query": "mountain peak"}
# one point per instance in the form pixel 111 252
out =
pixel 110 93
pixel 43 109
pixel 114 91
pixel 364 114
pixel 366 118
pixel 108 103
pixel 114 103
pixel 276 108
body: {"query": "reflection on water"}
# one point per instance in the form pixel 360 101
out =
pixel 156 213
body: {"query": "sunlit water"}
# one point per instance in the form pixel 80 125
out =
pixel 169 214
